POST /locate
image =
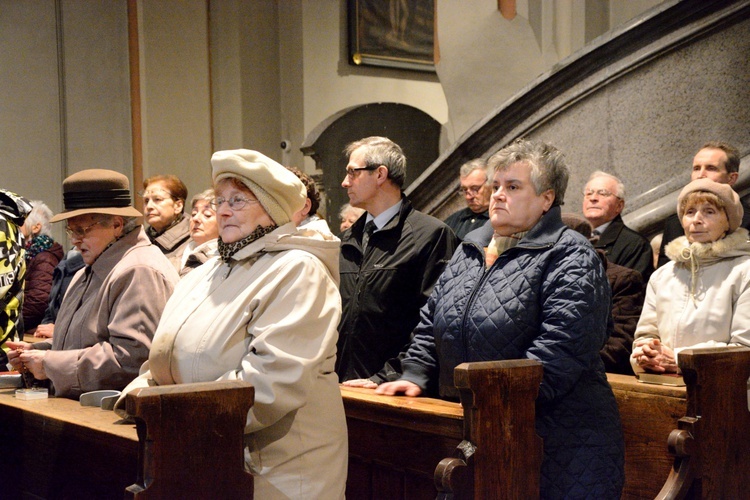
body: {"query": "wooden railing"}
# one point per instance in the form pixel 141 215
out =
pixel 680 443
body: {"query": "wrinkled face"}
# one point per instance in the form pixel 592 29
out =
pixel 476 191
pixel 360 180
pixel 237 223
pixel 203 224
pixel 514 205
pixel 711 163
pixel 703 222
pixel 90 236
pixel 159 208
pixel 600 202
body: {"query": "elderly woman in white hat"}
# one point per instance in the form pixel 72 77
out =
pixel 109 314
pixel 264 311
pixel 702 297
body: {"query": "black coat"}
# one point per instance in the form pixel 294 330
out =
pixel 625 247
pixel 382 292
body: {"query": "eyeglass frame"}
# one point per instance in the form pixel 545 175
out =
pixel 81 233
pixel 353 173
pixel 217 202
pixel 587 193
pixel 470 189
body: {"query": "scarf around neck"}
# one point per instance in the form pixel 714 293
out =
pixel 226 250
pixel 695 256
pixel 37 245
pixel 153 234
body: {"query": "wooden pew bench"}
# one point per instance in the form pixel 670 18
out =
pixel 190 446
pixel 679 442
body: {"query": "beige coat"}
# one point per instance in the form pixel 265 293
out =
pixel 704 305
pixel 268 317
pixel 108 317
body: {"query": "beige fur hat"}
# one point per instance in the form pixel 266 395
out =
pixel 96 191
pixel 279 191
pixel 731 200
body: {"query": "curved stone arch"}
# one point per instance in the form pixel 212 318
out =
pixel 638 102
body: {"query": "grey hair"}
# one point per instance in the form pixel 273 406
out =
pixel 206 195
pixel 347 208
pixel 40 214
pixel 470 166
pixel 382 151
pixel 548 168
pixel 620 189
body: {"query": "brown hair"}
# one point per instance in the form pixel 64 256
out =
pixel 174 185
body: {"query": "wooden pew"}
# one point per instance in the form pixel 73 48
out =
pixel 680 443
pixel 191 442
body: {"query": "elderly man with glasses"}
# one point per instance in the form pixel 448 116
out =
pixel 603 201
pixel 476 191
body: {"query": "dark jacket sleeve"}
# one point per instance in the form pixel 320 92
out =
pixel 672 229
pixel 628 293
pixel 38 286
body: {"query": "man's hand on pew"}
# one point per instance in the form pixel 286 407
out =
pixel 399 387
pixel 360 382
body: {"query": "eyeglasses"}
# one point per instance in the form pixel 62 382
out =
pixel 80 234
pixel 352 173
pixel 471 189
pixel 602 193
pixel 235 202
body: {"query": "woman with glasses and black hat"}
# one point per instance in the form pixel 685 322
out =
pixel 265 311
pixel 107 319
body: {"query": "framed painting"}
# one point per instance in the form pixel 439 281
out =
pixel 392 33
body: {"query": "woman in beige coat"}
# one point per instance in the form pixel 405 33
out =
pixel 265 311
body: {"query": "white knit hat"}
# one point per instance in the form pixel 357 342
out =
pixel 278 190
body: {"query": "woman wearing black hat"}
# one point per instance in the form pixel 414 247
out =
pixel 109 314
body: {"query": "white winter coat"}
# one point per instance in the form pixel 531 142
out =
pixel 269 317
pixel 701 298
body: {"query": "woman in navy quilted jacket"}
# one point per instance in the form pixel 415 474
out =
pixel 526 286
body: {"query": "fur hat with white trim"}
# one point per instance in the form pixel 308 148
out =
pixel 278 190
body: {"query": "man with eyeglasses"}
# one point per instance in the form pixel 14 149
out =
pixel 603 201
pixel 476 191
pixel 390 260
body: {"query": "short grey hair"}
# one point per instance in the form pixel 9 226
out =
pixel 206 195
pixel 382 151
pixel 548 168
pixel 347 208
pixel 470 166
pixel 619 190
pixel 40 214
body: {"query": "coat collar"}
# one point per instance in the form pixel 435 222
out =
pixel 612 233
pixel 353 236
pixel 544 234
pixel 115 253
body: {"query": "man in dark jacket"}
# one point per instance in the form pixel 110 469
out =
pixel 390 260
pixel 603 201
pixel 475 189
pixel 543 296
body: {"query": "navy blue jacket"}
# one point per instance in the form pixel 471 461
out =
pixel 546 299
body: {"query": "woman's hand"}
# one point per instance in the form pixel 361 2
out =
pixel 46 330
pixel 14 351
pixel 32 361
pixel 652 355
pixel 360 382
pixel 399 387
